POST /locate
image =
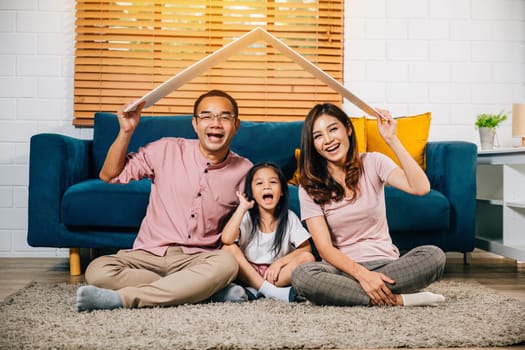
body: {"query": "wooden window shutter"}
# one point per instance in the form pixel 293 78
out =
pixel 126 48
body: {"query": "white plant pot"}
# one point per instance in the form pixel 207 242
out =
pixel 486 136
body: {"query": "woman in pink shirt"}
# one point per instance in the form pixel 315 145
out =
pixel 342 201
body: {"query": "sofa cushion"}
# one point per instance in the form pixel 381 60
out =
pixel 276 140
pixel 295 206
pixel 94 203
pixel 406 212
pixel 149 129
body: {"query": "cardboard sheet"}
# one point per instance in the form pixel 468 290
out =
pixel 226 51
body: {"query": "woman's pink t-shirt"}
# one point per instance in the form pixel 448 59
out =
pixel 359 229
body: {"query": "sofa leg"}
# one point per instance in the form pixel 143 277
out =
pixel 74 261
pixel 466 258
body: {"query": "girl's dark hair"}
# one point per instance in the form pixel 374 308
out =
pixel 219 93
pixel 281 210
pixel 315 178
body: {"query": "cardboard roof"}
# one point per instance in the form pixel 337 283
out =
pixel 256 34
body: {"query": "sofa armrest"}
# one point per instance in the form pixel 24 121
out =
pixel 55 163
pixel 451 169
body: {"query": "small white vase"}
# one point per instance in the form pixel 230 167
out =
pixel 486 136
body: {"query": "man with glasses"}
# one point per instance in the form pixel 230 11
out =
pixel 175 257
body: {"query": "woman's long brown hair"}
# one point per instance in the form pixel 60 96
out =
pixel 315 178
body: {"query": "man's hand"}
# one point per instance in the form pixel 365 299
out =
pixel 128 121
pixel 116 156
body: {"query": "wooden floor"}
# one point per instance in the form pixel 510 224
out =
pixel 503 275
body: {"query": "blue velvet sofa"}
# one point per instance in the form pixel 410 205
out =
pixel 69 207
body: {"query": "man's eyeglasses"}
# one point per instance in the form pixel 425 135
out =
pixel 224 117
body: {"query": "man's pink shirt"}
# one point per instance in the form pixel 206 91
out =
pixel 188 195
pixel 359 229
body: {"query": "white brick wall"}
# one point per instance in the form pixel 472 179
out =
pixel 455 58
pixel 36 89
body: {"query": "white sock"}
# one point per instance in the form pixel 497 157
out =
pixel 232 292
pixel 92 298
pixel 422 299
pixel 273 292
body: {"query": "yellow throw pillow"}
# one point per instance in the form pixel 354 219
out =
pixel 360 129
pixel 412 131
pixel 295 178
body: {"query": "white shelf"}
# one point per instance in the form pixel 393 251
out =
pixel 502 156
pixel 501 150
pixel 500 219
pixel 497 247
pixel 491 201
pixel 515 204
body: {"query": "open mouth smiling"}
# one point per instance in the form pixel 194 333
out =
pixel 267 198
pixel 215 136
pixel 332 149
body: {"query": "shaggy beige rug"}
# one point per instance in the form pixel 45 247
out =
pixel 43 316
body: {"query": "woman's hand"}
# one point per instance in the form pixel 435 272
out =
pixel 373 283
pixel 386 125
pixel 272 272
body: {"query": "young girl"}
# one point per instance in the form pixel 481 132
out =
pixel 342 201
pixel 271 239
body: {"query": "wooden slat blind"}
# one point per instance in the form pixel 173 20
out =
pixel 126 48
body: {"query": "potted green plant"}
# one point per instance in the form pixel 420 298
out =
pixel 487 124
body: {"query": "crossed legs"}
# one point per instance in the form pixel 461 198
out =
pixel 142 279
pixel 324 284
pixel 279 289
pixel 250 277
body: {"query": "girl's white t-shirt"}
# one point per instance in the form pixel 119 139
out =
pixel 259 250
pixel 359 229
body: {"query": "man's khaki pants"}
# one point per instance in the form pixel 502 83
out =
pixel 143 279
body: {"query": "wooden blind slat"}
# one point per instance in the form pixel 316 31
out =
pixel 94 57
pixel 125 49
pixel 131 36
